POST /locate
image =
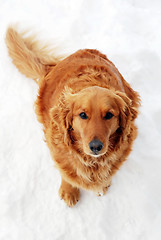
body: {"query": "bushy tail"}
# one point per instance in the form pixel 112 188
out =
pixel 29 56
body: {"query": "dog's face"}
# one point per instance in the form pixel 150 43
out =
pixel 95 119
pixel 93 115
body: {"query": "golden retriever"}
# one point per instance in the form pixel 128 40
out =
pixel 87 110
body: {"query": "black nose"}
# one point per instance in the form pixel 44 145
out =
pixel 95 145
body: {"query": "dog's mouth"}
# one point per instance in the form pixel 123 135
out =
pixel 95 154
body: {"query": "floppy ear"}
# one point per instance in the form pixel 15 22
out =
pixel 127 111
pixel 62 116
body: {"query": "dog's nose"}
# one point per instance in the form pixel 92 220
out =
pixel 95 145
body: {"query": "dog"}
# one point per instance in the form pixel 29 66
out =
pixel 87 110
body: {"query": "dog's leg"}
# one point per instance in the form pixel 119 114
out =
pixel 70 194
pixel 105 189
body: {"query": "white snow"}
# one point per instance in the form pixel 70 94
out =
pixel 129 32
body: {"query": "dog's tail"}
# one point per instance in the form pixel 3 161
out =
pixel 30 57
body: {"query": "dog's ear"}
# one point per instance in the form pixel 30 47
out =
pixel 62 115
pixel 127 111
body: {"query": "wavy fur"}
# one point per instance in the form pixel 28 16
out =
pixel 84 81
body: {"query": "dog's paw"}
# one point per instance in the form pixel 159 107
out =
pixel 105 189
pixel 70 195
pixel 103 192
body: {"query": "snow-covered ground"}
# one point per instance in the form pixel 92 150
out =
pixel 129 32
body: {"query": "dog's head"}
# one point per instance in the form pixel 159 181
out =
pixel 90 117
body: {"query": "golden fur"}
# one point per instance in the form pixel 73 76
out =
pixel 85 82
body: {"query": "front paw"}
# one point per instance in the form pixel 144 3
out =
pixel 71 195
pixel 104 191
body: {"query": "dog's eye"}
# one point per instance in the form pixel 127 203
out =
pixel 83 115
pixel 108 115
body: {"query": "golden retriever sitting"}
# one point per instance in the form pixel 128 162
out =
pixel 87 110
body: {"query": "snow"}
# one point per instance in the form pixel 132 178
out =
pixel 128 31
